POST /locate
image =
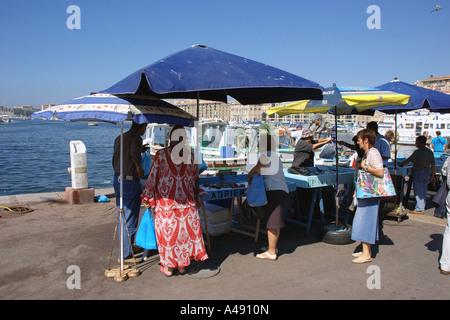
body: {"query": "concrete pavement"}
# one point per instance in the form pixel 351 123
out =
pixel 44 250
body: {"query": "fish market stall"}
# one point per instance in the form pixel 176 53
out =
pixel 315 179
pixel 227 187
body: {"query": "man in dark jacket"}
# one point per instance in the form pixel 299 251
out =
pixel 132 172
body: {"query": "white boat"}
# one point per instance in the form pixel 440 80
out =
pixel 414 123
pixel 5 119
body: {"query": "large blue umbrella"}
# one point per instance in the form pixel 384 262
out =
pixel 109 108
pixel 420 97
pixel 200 72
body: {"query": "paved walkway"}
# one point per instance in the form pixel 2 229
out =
pixel 40 250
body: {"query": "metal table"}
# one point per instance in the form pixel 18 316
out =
pixel 322 176
pixel 210 192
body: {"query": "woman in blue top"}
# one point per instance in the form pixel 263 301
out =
pixel 438 143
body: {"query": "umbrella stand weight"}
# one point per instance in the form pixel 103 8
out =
pixel 334 233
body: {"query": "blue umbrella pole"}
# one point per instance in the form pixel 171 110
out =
pixel 121 197
pixel 336 198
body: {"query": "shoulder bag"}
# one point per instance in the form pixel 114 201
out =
pixel 368 186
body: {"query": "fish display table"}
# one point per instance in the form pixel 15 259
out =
pixel 219 188
pixel 230 187
pixel 316 179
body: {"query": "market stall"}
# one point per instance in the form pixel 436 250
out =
pixel 233 187
pixel 401 175
pixel 315 179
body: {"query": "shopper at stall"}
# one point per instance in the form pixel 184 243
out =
pixel 365 222
pixel 444 261
pixel 269 165
pixel 304 149
pixel 423 172
pixel 438 143
pixel 170 190
pixel 381 142
pixel 429 138
pixel 132 172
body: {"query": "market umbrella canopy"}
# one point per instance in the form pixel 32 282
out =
pixel 344 100
pixel 205 73
pixel 420 97
pixel 109 108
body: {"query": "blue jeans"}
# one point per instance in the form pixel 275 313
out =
pixel 420 185
pixel 131 207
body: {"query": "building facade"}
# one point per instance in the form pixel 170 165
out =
pixel 441 84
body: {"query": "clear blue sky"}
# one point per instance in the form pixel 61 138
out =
pixel 327 41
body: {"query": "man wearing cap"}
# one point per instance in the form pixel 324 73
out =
pixel 318 124
pixel 304 149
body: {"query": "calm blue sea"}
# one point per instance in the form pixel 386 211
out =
pixel 35 154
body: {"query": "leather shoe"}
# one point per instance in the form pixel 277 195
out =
pixel 415 212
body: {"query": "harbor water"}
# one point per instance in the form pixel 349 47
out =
pixel 35 154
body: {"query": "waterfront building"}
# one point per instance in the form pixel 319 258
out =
pixel 233 111
pixel 441 84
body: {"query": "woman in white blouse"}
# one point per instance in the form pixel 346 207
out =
pixel 269 165
pixel 365 222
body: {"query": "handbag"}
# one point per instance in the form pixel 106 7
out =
pixel 368 186
pixel 328 152
pixel 146 235
pixel 256 195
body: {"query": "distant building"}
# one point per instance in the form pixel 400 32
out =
pixel 47 105
pixel 236 112
pixel 208 109
pixel 441 84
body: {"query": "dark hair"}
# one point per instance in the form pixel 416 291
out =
pixel 138 125
pixel 438 133
pixel 421 140
pixel 373 126
pixel 369 134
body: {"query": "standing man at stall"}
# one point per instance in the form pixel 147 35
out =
pixel 438 143
pixel 132 172
pixel 304 149
pixel 304 157
pixel 318 124
pixel 381 143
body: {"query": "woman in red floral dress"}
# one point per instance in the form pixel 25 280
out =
pixel 170 189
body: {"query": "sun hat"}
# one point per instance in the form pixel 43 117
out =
pixel 306 133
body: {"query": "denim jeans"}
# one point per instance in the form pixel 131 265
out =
pixel 131 207
pixel 420 185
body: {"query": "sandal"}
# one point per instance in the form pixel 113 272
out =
pixel 356 254
pixel 167 274
pixel 267 248
pixel 267 256
pixel 361 260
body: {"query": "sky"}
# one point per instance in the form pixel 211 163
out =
pixel 43 59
